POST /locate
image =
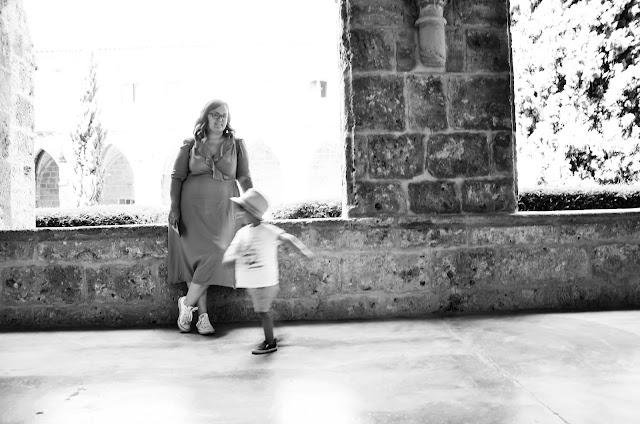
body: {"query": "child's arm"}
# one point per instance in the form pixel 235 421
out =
pixel 231 254
pixel 292 241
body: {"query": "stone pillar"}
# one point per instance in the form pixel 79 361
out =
pixel 435 139
pixel 17 66
pixel 431 33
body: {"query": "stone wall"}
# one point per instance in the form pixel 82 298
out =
pixel 423 140
pixel 17 185
pixel 365 268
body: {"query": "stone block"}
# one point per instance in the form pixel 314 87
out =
pixel 433 197
pixel 532 234
pixel 373 50
pixel 237 310
pixel 488 196
pixel 361 149
pixel 23 112
pixel 101 316
pixel 41 285
pixel 406 50
pixel 378 102
pixel 14 318
pixel 464 269
pixel 345 236
pixel 378 199
pixel 304 278
pixel 393 156
pixel 480 103
pixel 455 50
pixel 121 284
pixel 427 103
pixel 486 13
pixel 487 50
pixel 16 250
pixel 422 236
pixel 5 136
pixel 381 13
pixel 617 263
pixel 589 297
pixel 457 155
pixel 385 272
pixel 543 266
pixel 295 309
pixel 622 230
pixel 72 248
pixel 502 149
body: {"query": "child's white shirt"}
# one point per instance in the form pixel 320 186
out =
pixel 255 250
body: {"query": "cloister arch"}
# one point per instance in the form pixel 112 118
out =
pixel 47 181
pixel 118 186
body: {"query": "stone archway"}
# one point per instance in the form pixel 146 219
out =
pixel 47 181
pixel 118 186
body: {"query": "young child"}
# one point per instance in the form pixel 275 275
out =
pixel 255 252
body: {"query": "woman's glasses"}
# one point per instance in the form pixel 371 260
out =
pixel 216 116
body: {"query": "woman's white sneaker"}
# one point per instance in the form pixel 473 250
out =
pixel 185 315
pixel 204 325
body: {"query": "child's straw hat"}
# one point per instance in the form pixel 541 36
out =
pixel 253 201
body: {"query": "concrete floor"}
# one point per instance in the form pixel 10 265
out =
pixel 537 368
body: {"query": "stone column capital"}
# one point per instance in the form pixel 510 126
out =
pixel 431 23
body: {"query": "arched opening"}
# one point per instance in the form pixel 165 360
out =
pixel 118 186
pixel 47 181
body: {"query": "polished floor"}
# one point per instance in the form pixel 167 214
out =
pixel 533 368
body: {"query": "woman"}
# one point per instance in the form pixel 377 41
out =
pixel 202 218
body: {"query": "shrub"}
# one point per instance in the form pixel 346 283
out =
pixel 566 198
pixel 303 210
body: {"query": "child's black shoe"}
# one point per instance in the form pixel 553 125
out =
pixel 265 347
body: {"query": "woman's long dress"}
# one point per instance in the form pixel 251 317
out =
pixel 207 222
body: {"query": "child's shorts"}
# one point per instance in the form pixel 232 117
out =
pixel 262 297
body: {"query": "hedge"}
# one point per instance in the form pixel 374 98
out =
pixel 578 198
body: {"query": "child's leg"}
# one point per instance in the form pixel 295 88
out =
pixel 267 326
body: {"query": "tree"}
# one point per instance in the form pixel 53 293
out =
pixel 577 83
pixel 87 141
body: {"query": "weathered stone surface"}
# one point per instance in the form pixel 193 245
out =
pixel 487 50
pixel 16 250
pixel 502 148
pixel 303 278
pixel 360 156
pixel 380 13
pixel 396 157
pixel 488 196
pixel 405 50
pixel 534 234
pixel 457 155
pixel 237 310
pixel 375 305
pixel 464 269
pixel 455 50
pixel 372 50
pixel 480 103
pixel 101 316
pixel 433 196
pixel 427 103
pixel 623 230
pixel 378 199
pixel 384 272
pixel 343 236
pixel 118 283
pixel 23 112
pixel 41 285
pixel 295 309
pixel 412 236
pixel 16 317
pixel 378 102
pixel 477 12
pixel 617 262
pixel 543 266
pixel 102 249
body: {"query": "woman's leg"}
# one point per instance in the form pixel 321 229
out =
pixel 195 293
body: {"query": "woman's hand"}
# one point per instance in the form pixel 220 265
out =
pixel 174 218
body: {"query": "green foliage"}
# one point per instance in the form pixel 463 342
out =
pixel 577 84
pixel 89 216
pixel 579 198
pixel 87 141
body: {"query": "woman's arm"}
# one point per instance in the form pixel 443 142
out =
pixel 178 175
pixel 243 175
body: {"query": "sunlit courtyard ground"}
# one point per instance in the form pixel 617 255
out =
pixel 526 368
